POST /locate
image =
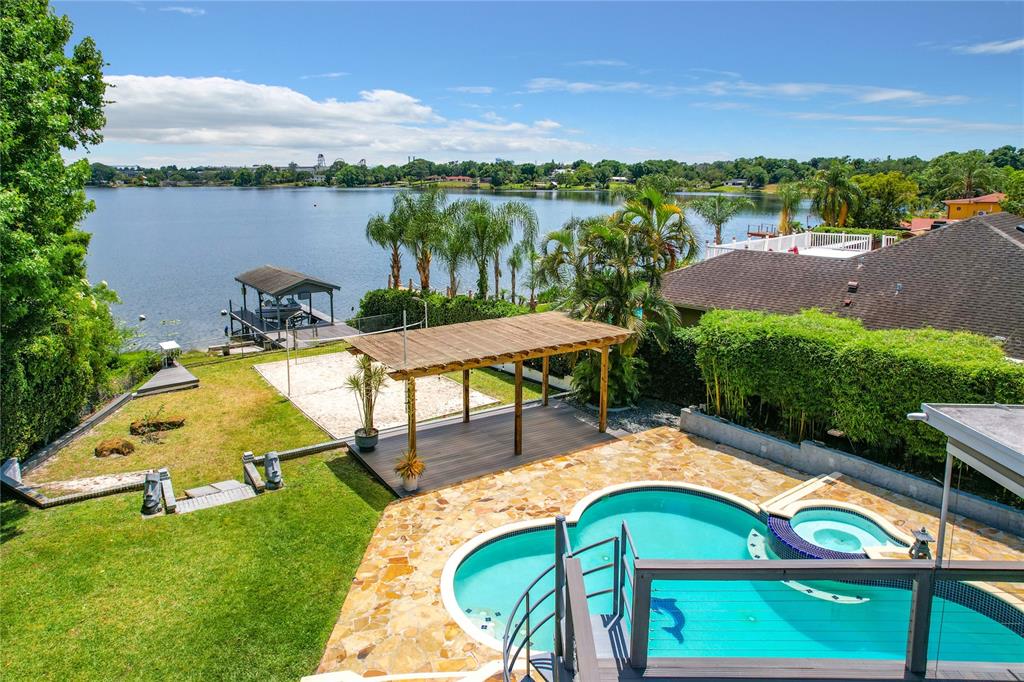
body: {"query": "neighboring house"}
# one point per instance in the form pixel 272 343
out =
pixel 459 178
pixel 968 275
pixel 925 224
pixel 968 208
pixel 619 178
pixel 735 182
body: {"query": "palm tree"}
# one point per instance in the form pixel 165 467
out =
pixel 718 210
pixel 790 195
pixel 514 261
pixel 490 228
pixel 969 174
pixel 389 233
pixel 424 227
pixel 452 245
pixel 564 254
pixel 660 222
pixel 834 194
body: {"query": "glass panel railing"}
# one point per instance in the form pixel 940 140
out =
pixel 977 622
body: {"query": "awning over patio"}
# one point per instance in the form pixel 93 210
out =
pixel 469 345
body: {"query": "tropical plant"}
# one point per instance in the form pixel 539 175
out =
pixel 719 209
pixel 424 227
pixel 388 232
pixel 514 261
pixel 563 254
pixel 968 175
pixel 790 195
pixel 662 224
pixel 490 228
pixel 366 384
pixel 834 194
pixel 409 466
pixel 452 246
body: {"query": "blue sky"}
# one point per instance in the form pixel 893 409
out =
pixel 247 82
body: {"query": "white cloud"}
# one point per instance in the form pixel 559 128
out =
pixel 329 74
pixel 473 89
pixel 536 85
pixel 599 62
pixel 190 11
pixel 905 123
pixel 721 106
pixel 865 94
pixel 993 47
pixel 238 119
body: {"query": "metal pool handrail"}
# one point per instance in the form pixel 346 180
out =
pixel 514 626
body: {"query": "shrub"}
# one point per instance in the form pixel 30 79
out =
pixel 623 378
pixel 806 373
pixel 672 373
pixel 441 310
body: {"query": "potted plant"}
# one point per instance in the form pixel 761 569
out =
pixel 410 467
pixel 366 384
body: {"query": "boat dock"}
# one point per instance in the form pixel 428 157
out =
pixel 284 308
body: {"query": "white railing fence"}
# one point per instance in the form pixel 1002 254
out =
pixel 839 241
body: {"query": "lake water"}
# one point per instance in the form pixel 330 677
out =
pixel 172 253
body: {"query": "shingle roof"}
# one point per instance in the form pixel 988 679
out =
pixel 968 275
pixel 276 281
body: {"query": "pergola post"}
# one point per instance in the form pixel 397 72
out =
pixel 544 380
pixel 519 408
pixel 602 420
pixel 465 396
pixel 410 407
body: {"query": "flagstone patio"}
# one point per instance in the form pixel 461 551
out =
pixel 393 620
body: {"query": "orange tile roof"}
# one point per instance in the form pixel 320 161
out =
pixel 993 198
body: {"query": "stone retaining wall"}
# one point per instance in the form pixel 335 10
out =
pixel 814 458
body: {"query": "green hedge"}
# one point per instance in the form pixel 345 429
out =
pixel 672 373
pixel 806 373
pixel 440 309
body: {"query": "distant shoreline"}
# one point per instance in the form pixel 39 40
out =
pixel 482 190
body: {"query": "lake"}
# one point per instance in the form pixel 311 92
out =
pixel 172 253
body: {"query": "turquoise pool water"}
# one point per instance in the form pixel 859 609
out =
pixel 718 618
pixel 838 530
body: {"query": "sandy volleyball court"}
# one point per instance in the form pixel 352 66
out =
pixel 318 389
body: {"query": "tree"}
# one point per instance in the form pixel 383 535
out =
pixel 886 199
pixel 423 216
pixel 719 209
pixel 1014 202
pixel 834 194
pixel 490 228
pixel 790 195
pixel 453 246
pixel 968 175
pixel 59 338
pixel 663 225
pixel 388 232
pixel 514 261
pixel 757 176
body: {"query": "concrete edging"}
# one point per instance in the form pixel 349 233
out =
pixel 814 458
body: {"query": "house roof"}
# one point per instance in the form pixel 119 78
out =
pixel 968 275
pixel 425 352
pixel 993 198
pixel 276 281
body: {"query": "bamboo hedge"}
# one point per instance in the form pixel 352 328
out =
pixel 805 374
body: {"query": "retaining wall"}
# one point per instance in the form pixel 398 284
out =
pixel 814 458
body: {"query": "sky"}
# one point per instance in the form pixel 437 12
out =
pixel 248 82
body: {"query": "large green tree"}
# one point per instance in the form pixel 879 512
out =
pixel 57 336
pixel 886 199
pixel 834 194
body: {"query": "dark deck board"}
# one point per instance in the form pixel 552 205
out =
pixel 456 452
pixel 171 378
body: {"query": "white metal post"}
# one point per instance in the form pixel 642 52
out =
pixel 947 483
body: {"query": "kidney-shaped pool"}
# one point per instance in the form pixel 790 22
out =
pixel 705 618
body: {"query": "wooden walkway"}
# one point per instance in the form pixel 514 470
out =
pixel 455 451
pixel 173 378
pixel 267 328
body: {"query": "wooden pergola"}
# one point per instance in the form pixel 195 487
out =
pixel 470 345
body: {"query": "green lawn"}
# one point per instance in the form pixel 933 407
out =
pixel 251 590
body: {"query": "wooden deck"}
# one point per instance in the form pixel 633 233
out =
pixel 455 451
pixel 173 378
pixel 268 330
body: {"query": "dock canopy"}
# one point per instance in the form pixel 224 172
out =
pixel 278 282
pixel 469 345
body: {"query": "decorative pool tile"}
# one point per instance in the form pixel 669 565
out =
pixel 393 620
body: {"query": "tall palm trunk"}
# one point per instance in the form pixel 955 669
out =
pixel 844 209
pixel 497 274
pixel 452 283
pixel 784 221
pixel 396 267
pixel 513 272
pixel 481 279
pixel 423 267
pixel 718 234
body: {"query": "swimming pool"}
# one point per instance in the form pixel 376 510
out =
pixel 840 531
pixel 705 618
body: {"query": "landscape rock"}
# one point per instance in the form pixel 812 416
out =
pixel 114 446
pixel 140 427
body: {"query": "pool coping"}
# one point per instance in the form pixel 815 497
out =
pixel 467 548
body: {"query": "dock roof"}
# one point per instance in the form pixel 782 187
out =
pixel 277 281
pixel 434 350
